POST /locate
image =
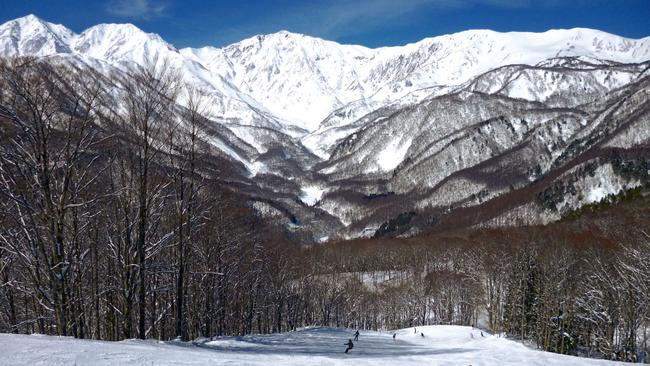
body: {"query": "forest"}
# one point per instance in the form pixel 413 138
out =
pixel 116 223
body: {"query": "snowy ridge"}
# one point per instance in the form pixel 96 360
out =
pixel 300 80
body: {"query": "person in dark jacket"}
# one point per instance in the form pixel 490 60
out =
pixel 356 336
pixel 349 344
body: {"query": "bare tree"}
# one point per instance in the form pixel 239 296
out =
pixel 43 175
pixel 148 96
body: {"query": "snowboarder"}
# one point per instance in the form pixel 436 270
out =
pixel 349 344
pixel 422 334
pixel 356 336
pixel 394 335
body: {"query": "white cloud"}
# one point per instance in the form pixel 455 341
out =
pixel 347 17
pixel 332 19
pixel 137 9
pixel 339 19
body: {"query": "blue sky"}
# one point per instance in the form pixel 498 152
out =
pixel 369 22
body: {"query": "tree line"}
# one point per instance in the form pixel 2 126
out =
pixel 578 287
pixel 114 224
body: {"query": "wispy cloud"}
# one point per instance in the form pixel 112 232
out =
pixel 137 9
pixel 345 18
pixel 359 16
pixel 333 19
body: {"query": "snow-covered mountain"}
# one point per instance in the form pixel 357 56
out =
pixel 302 79
pixel 357 136
pixel 32 36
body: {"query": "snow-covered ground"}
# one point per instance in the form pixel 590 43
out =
pixel 310 195
pixel 441 345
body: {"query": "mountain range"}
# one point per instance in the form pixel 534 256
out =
pixel 476 128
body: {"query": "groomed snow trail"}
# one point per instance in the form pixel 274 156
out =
pixel 441 345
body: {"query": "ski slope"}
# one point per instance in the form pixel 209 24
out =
pixel 441 345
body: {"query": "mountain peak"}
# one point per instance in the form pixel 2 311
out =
pixel 30 35
pixel 119 42
pixel 272 38
pixel 28 18
pixel 32 22
pixel 123 29
pixel 286 33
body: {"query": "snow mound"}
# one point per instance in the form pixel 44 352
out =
pixel 393 155
pixel 310 195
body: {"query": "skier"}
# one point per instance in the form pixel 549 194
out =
pixel 356 336
pixel 394 335
pixel 349 344
pixel 422 334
